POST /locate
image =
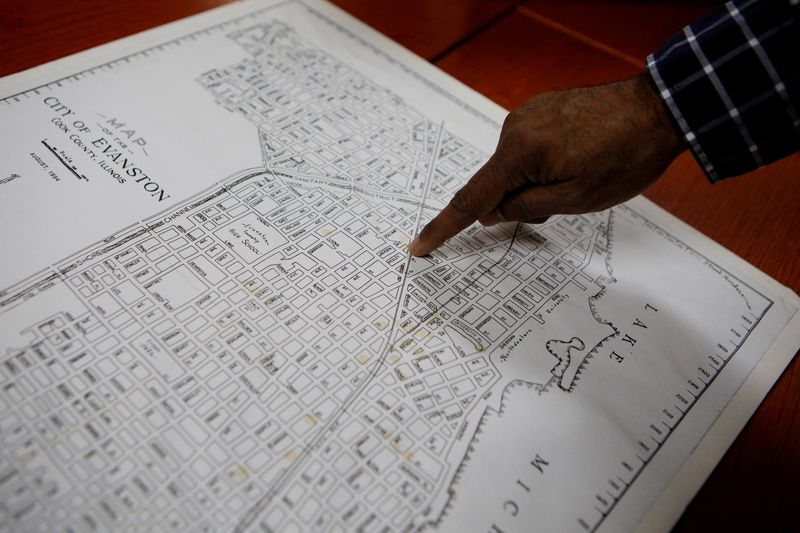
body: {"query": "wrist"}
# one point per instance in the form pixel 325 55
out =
pixel 664 132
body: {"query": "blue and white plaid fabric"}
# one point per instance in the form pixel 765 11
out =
pixel 732 83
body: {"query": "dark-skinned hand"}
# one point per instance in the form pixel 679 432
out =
pixel 565 152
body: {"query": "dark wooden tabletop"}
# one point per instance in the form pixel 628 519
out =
pixel 509 50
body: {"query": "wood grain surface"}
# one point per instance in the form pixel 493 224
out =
pixel 635 28
pixel 509 51
pixel 33 32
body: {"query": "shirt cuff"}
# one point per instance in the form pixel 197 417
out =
pixel 731 82
pixel 688 135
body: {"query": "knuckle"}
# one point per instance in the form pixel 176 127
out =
pixel 513 118
pixel 517 145
pixel 514 127
pixel 514 136
pixel 508 122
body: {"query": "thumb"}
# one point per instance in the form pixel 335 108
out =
pixel 534 204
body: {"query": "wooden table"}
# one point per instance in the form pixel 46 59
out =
pixel 509 51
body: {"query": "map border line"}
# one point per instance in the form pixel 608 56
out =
pixel 223 188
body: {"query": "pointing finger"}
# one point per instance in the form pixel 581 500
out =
pixel 477 198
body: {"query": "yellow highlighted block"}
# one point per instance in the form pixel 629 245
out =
pixel 421 333
pixel 240 472
pixel 401 238
pixel 326 230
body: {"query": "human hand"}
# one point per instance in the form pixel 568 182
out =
pixel 564 152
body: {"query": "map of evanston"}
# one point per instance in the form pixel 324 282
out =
pixel 266 354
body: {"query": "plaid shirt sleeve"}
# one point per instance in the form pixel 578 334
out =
pixel 732 83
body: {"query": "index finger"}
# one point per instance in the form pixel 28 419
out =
pixel 482 193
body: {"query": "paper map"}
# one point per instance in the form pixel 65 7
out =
pixel 209 320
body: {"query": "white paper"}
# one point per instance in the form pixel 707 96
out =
pixel 209 320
